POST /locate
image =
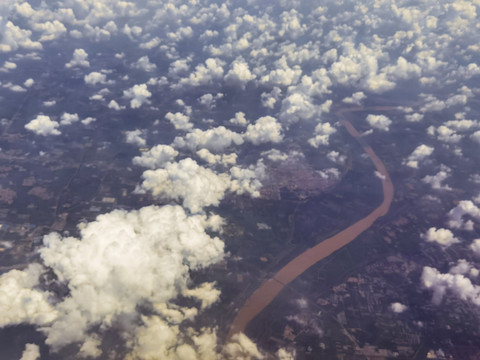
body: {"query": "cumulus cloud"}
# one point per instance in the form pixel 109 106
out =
pixel 80 58
pixel 138 95
pixel 398 307
pixel 43 125
pixel 475 246
pixel 216 139
pixel 240 347
pixel 20 302
pixel 95 77
pixel 355 99
pixel 68 119
pixel 460 217
pixel 435 181
pixel 239 73
pixel 121 260
pixel 204 73
pixel 156 157
pixel 144 64
pixel 265 129
pixel 380 122
pixel 31 352
pixel 239 119
pixel 443 237
pixel 420 153
pixel 179 120
pixel 135 137
pixel 322 134
pixel 197 186
pixel 460 285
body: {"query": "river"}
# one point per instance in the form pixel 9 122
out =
pixel 265 294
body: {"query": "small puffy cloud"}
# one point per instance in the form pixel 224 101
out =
pixel 179 120
pixel 216 139
pixel 241 347
pixel 265 129
pixel 209 100
pixel 144 64
pixel 458 216
pixel 135 137
pixel 458 284
pixel 445 134
pixel 436 180
pixel 68 119
pixel 205 73
pixel 239 73
pixel 88 120
pixel 380 122
pixel 29 83
pixel 415 117
pixel 138 95
pixel 95 77
pixel 13 37
pixel 197 186
pixel 239 119
pixel 247 180
pixel 475 246
pixel 336 157
pixel 398 307
pixel 420 153
pixel 355 99
pixel 443 237
pixel 156 157
pixel 115 106
pixel 213 159
pixel 322 134
pixel 43 125
pixel 476 136
pixel 297 106
pixel 31 352
pixel 80 58
pixel 51 30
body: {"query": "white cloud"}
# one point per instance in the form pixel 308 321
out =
pixel 458 216
pixel 115 106
pixel 14 37
pixel 80 58
pixel 20 302
pixel 135 137
pixel 436 180
pixel 419 154
pixel 43 125
pixel 197 186
pixel 265 129
pixel 29 83
pixel 216 139
pixel 443 237
pixel 179 120
pixel 380 122
pixel 415 117
pixel 476 136
pixel 68 119
pixel 120 261
pixel 398 307
pixel 475 246
pixel 95 78
pixel 31 352
pixel 138 95
pixel 205 73
pixel 156 157
pixel 239 119
pixel 458 284
pixel 322 134
pixel 356 98
pixel 239 73
pixel 240 347
pixel 144 64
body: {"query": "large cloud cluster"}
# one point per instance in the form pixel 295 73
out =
pixel 121 261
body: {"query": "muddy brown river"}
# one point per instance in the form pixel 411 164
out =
pixel 265 294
